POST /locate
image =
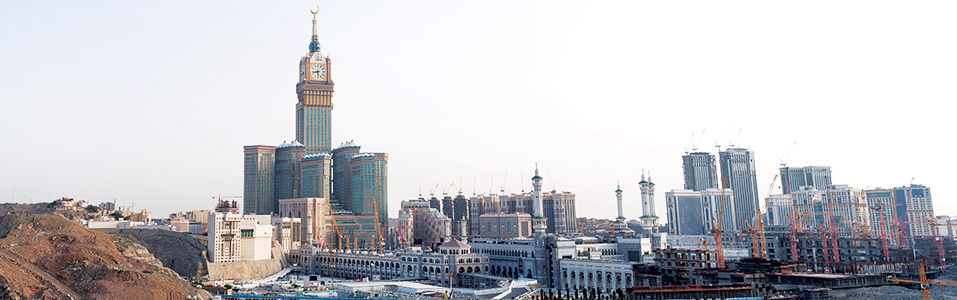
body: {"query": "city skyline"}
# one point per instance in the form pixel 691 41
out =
pixel 169 139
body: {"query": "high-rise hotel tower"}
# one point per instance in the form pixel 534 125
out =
pixel 308 167
pixel 315 87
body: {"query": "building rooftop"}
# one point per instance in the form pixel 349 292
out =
pixel 293 143
pixel 455 244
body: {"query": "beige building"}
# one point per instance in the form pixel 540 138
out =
pixel 312 213
pixel 142 216
pixel 505 226
pixel 179 225
pixel 223 237
pixel 201 216
pixel 288 232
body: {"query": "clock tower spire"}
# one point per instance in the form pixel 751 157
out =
pixel 314 90
pixel 314 44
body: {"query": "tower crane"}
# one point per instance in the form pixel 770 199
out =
pixel 924 283
pixel 378 241
pixel 761 214
pixel 731 141
pixel 830 205
pixel 700 136
pixel 755 251
pixel 718 243
pixel 787 190
pixel 938 241
pixel 690 144
pixel 800 219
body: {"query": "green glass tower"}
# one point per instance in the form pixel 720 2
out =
pixel 259 162
pixel 370 184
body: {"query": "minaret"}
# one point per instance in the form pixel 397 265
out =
pixel 649 222
pixel 539 225
pixel 619 227
pixel 621 214
pixel 538 218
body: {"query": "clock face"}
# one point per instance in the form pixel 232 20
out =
pixel 302 72
pixel 317 57
pixel 318 71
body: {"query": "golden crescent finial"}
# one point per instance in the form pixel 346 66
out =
pixel 314 12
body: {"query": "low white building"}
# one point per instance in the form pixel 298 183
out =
pixel 359 289
pixel 605 276
pixel 256 237
pixel 453 259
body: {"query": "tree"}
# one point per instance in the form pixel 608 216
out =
pixel 91 209
pixel 117 215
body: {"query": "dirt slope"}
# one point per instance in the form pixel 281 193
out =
pixel 49 257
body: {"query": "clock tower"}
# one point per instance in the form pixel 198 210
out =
pixel 314 90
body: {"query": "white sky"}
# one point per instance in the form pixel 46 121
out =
pixel 152 102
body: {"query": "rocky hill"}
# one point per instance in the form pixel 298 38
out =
pixel 177 250
pixel 36 208
pixel 50 257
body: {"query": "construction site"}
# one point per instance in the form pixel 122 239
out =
pixel 832 243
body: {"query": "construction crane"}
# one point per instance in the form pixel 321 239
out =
pixel 378 231
pixel 335 227
pixel 938 241
pixel 718 243
pixel 887 256
pixel 731 141
pixel 827 258
pixel 787 190
pixel 799 226
pixel 924 283
pixel 830 205
pixel 755 251
pixel 764 243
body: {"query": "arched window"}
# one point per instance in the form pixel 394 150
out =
pixel 461 269
pixel 469 270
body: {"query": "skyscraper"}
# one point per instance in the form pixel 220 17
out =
pixel 839 205
pixel 259 173
pixel 700 171
pixel 695 213
pixel 738 174
pixel 315 87
pixel 882 212
pixel 288 158
pixel 369 184
pixel 342 173
pixel 559 211
pixel 780 208
pixel 461 215
pixel 315 176
pixel 684 213
pixel 914 206
pixel 792 179
pixel 711 200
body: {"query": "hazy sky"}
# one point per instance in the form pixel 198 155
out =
pixel 151 102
